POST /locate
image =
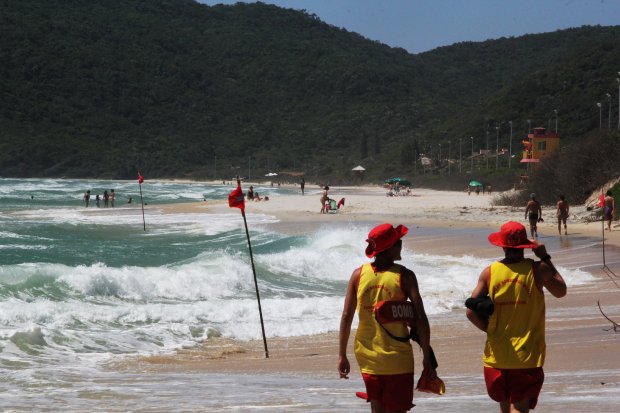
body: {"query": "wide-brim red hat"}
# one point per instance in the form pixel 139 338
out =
pixel 383 237
pixel 512 235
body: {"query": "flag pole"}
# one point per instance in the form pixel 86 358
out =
pixel 603 234
pixel 141 200
pixel 260 311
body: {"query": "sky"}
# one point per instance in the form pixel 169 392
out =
pixel 422 25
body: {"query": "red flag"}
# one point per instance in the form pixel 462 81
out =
pixel 601 200
pixel 235 198
pixel 140 178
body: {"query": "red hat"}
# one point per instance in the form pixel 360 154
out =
pixel 512 235
pixel 383 237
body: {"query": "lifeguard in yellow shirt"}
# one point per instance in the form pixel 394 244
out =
pixel 386 364
pixel 515 348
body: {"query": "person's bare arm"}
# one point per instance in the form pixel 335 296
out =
pixel 410 287
pixel 547 275
pixel 539 210
pixel 348 312
pixel 480 291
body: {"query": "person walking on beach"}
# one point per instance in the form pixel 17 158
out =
pixel 324 198
pixel 302 184
pixel 533 213
pixel 386 364
pixel 562 214
pixel 86 198
pixel 610 205
pixel 515 348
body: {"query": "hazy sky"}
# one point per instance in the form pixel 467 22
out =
pixel 420 25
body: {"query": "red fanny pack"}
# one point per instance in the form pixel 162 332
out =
pixel 395 312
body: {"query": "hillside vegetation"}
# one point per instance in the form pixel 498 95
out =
pixel 100 88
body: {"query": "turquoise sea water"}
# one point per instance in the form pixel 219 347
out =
pixel 80 287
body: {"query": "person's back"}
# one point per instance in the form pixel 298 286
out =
pixel 516 331
pixel 386 363
pixel 533 213
pixel 515 349
pixel 562 214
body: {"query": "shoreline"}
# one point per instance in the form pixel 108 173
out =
pixel 580 356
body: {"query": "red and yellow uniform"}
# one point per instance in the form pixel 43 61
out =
pixel 516 331
pixel 376 352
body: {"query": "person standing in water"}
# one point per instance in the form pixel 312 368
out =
pixel 302 184
pixel 533 213
pixel 86 198
pixel 386 364
pixel 562 214
pixel 112 196
pixel 106 198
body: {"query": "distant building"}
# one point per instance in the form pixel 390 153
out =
pixel 539 145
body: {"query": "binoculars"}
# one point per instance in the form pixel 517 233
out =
pixel 482 306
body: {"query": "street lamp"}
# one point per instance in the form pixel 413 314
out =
pixel 497 148
pixel 487 154
pixel 600 115
pixel 609 116
pixel 449 142
pixel 472 154
pixel 556 120
pixel 510 146
pixel 618 80
pixel 460 154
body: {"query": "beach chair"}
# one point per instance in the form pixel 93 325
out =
pixel 330 206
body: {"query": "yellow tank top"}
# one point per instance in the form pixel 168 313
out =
pixel 516 332
pixel 376 352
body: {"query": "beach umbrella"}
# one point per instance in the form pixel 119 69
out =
pixel 475 183
pixel 393 180
pixel 401 181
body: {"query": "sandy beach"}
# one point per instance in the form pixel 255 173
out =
pixel 582 367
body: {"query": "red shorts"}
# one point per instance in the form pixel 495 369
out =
pixel 514 385
pixel 394 391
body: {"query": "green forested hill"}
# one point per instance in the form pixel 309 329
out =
pixel 175 88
